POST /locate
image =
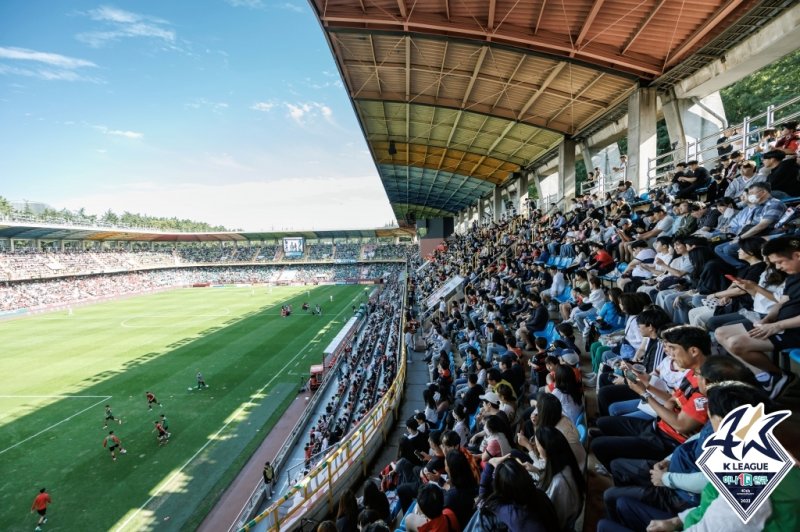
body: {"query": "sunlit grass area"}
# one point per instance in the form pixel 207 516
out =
pixel 59 371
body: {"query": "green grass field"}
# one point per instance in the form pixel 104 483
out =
pixel 59 371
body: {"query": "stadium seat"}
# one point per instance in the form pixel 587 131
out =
pixel 402 527
pixel 564 296
pixel 794 354
pixel 582 433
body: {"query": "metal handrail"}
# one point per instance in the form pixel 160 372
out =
pixel 351 450
pixel 657 167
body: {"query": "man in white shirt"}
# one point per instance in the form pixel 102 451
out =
pixel 635 270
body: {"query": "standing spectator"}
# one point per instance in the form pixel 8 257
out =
pixel 269 477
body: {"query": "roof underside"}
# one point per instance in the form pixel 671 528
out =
pixel 453 93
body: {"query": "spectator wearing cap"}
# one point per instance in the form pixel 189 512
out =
pixel 696 177
pixel 783 174
pixel 718 185
pixel 747 176
pixel 762 213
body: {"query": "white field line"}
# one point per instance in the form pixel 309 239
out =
pixel 105 398
pixel 214 437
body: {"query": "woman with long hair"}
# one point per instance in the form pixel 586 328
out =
pixel 347 515
pixel 461 487
pixel 708 277
pixel 517 502
pixel 547 412
pixel 568 392
pixel 561 479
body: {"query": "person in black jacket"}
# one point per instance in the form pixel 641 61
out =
pixel 696 177
pixel 783 174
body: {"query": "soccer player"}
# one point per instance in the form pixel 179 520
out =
pixel 112 442
pixel 40 506
pixel 110 416
pixel 161 434
pixel 165 424
pixel 201 382
pixel 151 399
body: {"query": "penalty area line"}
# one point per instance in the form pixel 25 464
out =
pixel 213 438
pixel 105 398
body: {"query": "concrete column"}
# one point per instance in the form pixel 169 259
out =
pixel 691 119
pixel 11 244
pixel 497 204
pixel 37 244
pixel 522 191
pixel 566 168
pixel 481 211
pixel 642 107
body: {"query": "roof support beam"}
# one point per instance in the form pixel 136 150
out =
pixel 596 5
pixel 408 66
pixel 427 24
pixel 492 8
pixel 510 79
pixel 539 18
pixel 375 62
pixel 702 31
pixel 642 26
pixel 535 96
pixel 576 98
pixel 475 72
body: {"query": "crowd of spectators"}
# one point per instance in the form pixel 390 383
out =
pixel 27 263
pixel 667 318
pixel 363 376
pixel 319 251
pixel 68 290
pixel 348 251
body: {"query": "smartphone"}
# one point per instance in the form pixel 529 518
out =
pixel 631 376
pixel 731 278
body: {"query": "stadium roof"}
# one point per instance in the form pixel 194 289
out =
pixel 25 231
pixel 455 96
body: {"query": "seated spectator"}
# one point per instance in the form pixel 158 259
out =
pixel 783 174
pixel 516 501
pixel 746 177
pixel 696 178
pixel 761 214
pixel 568 391
pixel 432 516
pixel 625 437
pixel 779 329
pixel 561 478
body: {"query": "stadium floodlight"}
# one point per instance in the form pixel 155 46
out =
pixel 392 148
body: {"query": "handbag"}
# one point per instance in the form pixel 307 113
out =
pixel 670 281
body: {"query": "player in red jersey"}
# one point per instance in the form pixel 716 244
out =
pixel 151 399
pixel 40 506
pixel 161 433
pixel 112 442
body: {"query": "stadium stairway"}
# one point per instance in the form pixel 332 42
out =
pixel 417 377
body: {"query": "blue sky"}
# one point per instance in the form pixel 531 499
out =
pixel 227 111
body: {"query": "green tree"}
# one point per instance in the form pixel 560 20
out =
pixel 773 84
pixel 5 206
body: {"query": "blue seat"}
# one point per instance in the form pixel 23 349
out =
pixel 582 434
pixel 472 421
pixel 547 332
pixel 551 260
pixel 794 354
pixel 581 419
pixel 564 296
pixel 402 527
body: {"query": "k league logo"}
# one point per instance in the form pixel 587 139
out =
pixel 744 460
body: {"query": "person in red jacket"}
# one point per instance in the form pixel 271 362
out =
pixel 40 506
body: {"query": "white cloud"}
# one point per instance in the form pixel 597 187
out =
pixel 216 107
pixel 125 24
pixel 44 65
pixel 263 106
pixel 119 132
pixel 56 60
pixel 226 160
pixel 252 4
pixel 297 204
pixel 291 7
pixel 305 112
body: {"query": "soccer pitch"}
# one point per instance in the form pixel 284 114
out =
pixel 59 371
